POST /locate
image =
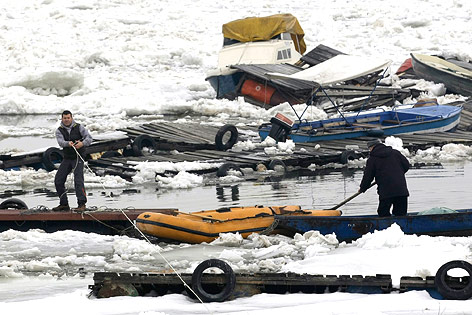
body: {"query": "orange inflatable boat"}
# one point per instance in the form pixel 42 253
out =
pixel 205 226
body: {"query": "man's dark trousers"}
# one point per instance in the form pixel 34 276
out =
pixel 400 206
pixel 67 166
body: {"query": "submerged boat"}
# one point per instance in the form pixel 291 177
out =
pixel 348 228
pixel 374 124
pixel 273 39
pixel 206 226
pixel 457 79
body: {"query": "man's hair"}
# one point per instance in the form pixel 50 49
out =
pixel 66 112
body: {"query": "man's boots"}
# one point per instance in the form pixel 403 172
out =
pixel 61 208
pixel 81 207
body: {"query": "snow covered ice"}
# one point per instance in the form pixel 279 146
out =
pixel 117 63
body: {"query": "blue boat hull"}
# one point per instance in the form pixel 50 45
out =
pixel 348 228
pixel 414 120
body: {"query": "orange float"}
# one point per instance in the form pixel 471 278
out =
pixel 261 92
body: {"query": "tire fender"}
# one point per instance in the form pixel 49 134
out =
pixel 227 290
pixel 347 155
pixel 13 203
pixel 442 281
pixel 277 163
pixel 141 142
pixel 232 140
pixel 225 168
pixel 51 157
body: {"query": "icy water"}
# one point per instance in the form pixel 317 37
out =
pixel 434 186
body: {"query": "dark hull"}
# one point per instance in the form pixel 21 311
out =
pixel 348 228
pixel 454 82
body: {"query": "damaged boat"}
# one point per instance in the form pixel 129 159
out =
pixel 456 76
pixel 425 119
pixel 274 39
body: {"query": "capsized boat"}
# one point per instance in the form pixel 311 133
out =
pixel 423 119
pixel 206 226
pixel 457 79
pixel 272 39
pixel 440 221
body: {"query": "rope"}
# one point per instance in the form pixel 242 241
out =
pixel 105 224
pixel 144 236
pixel 270 228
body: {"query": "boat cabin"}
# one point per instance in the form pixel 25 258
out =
pixel 262 40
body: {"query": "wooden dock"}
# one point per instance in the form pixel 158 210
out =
pixel 101 221
pixel 196 142
pixel 219 287
pixel 38 159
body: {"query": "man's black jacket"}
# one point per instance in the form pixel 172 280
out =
pixel 388 166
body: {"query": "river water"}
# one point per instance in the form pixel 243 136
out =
pixel 439 186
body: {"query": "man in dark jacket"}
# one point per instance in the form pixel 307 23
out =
pixel 388 167
pixel 73 138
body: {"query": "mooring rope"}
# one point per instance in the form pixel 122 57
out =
pixel 147 239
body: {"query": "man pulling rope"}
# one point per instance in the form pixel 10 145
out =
pixel 73 138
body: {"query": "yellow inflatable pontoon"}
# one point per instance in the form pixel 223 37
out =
pixel 206 226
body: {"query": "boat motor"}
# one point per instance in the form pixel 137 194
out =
pixel 281 127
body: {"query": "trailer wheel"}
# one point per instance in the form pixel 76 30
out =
pixel 141 142
pixel 460 290
pixel 51 157
pixel 232 140
pixel 227 290
pixel 13 203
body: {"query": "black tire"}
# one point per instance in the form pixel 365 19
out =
pixel 13 203
pixel 347 156
pixel 111 154
pixel 442 281
pixel 128 151
pixel 51 158
pixel 232 140
pixel 274 163
pixel 141 142
pixel 225 168
pixel 227 290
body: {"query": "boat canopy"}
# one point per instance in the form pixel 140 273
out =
pixel 337 69
pixel 253 29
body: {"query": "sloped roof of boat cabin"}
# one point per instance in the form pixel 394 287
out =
pixel 296 87
pixel 253 29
